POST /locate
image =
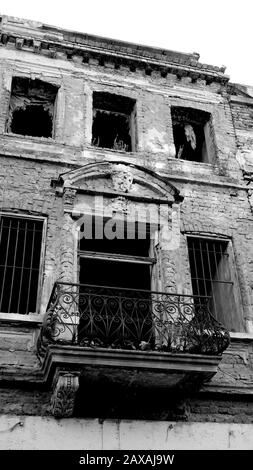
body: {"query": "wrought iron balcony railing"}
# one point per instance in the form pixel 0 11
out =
pixel 96 316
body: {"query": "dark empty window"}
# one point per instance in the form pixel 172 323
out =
pixel 193 134
pixel 213 276
pixel 115 302
pixel 113 122
pixel 31 109
pixel 116 263
pixel 20 253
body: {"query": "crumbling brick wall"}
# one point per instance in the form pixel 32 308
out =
pixel 215 197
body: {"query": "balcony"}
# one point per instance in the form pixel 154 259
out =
pixel 168 339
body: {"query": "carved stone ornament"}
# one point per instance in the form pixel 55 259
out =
pixel 119 204
pixel 66 385
pixel 69 197
pixel 122 180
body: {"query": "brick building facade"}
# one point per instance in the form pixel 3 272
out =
pixel 92 132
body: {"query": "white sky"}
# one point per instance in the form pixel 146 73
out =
pixel 219 30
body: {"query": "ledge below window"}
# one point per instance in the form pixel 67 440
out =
pixel 31 319
pixel 241 336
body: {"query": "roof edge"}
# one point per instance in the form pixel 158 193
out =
pixel 49 37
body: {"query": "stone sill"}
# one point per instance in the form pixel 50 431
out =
pixel 32 319
pixel 54 152
pixel 103 152
pixel 112 152
pixel 44 140
pixel 28 142
pixel 143 153
pixel 241 336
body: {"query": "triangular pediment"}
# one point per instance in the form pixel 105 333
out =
pixel 119 178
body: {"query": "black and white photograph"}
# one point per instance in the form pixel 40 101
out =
pixel 126 232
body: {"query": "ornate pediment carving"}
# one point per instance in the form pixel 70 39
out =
pixel 115 179
pixel 122 179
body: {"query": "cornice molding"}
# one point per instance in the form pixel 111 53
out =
pixel 53 42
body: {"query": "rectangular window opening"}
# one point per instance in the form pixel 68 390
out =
pixel 20 255
pixel 213 277
pixel 193 134
pixel 115 278
pixel 114 122
pixel 118 262
pixel 32 107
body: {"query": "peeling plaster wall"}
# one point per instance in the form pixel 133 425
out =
pixel 243 122
pixel 216 201
pixel 154 97
pixel 38 433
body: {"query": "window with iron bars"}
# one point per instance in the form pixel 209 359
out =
pixel 213 275
pixel 20 257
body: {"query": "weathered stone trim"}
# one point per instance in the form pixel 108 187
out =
pixel 20 318
pixel 65 386
pixel 241 336
pixel 213 231
pixel 82 48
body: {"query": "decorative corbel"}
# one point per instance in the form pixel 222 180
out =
pixel 52 52
pixel 19 43
pixel 69 195
pixel 122 178
pixel 4 38
pixel 36 46
pixel 65 387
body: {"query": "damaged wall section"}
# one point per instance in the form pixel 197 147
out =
pixel 114 122
pixel 32 107
pixel 193 134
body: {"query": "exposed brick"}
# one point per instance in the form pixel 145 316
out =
pixel 216 202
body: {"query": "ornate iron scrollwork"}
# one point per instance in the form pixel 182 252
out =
pixel 97 316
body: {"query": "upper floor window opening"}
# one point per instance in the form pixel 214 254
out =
pixel 20 260
pixel 114 122
pixel 193 134
pixel 32 107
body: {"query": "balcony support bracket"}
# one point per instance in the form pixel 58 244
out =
pixel 65 386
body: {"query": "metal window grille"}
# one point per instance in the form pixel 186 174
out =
pixel 20 253
pixel 210 270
